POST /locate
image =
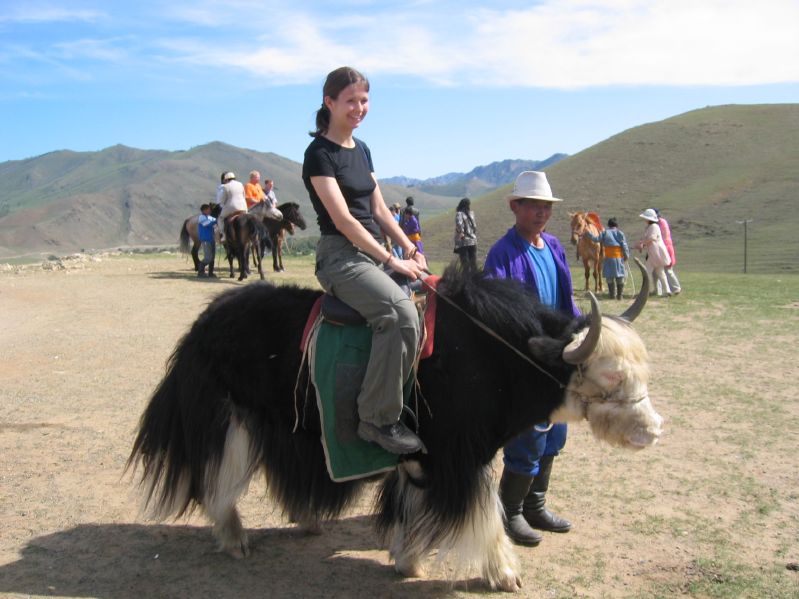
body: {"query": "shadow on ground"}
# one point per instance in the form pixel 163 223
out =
pixel 135 561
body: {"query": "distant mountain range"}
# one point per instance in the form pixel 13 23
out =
pixel 477 181
pixel 708 170
pixel 64 201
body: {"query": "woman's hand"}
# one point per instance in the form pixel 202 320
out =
pixel 409 268
pixel 421 261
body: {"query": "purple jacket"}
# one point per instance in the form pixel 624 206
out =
pixel 508 259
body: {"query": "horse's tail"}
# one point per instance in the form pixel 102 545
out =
pixel 184 237
pixel 187 433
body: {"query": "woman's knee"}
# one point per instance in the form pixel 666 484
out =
pixel 407 315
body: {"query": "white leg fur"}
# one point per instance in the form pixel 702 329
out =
pixel 226 485
pixel 480 544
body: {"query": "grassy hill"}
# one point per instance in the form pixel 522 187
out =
pixel 65 201
pixel 705 170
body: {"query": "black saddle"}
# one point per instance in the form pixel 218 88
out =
pixel 335 311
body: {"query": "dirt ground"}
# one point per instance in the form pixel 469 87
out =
pixel 712 510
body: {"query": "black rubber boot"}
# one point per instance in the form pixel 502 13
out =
pixel 513 489
pixel 534 511
pixel 619 288
pixel 611 288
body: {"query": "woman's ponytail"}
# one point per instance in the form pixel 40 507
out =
pixel 322 121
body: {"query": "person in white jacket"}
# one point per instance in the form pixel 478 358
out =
pixel 657 256
pixel 231 197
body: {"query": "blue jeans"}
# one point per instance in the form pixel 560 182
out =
pixel 523 452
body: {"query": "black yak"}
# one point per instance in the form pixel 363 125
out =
pixel 215 420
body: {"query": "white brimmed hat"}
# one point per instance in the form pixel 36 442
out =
pixel 650 215
pixel 532 185
pixel 228 176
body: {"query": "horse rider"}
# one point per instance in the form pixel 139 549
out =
pixel 231 197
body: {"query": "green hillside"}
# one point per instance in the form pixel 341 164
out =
pixel 705 170
pixel 64 201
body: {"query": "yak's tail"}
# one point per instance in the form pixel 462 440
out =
pixel 191 446
pixel 184 237
pixel 211 422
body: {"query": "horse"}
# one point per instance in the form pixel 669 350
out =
pixel 590 252
pixel 245 233
pixel 278 228
pixel 189 232
pixel 500 362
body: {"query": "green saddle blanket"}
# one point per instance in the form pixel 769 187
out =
pixel 338 360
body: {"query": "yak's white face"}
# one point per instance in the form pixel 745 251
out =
pixel 610 390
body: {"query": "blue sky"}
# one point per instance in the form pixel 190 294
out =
pixel 455 84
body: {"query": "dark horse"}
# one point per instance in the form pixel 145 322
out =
pixel 245 232
pixel 189 232
pixel 214 421
pixel 292 217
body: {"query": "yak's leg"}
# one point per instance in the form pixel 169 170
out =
pixel 227 485
pixel 480 541
pixel 308 523
pixel 407 547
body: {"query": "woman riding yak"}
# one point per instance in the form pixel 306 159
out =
pixel 351 259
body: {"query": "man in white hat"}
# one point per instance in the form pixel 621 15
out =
pixel 231 197
pixel 529 255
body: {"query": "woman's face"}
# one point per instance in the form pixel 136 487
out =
pixel 351 106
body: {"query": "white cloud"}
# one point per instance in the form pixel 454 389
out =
pixel 575 44
pixel 508 43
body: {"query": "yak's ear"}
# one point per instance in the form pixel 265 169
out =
pixel 545 349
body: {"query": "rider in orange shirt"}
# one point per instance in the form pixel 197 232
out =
pixel 252 191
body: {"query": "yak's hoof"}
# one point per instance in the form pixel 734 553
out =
pixel 410 570
pixel 510 582
pixel 239 551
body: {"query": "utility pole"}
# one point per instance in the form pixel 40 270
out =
pixel 745 223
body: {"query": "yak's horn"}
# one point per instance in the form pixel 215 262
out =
pixel 633 311
pixel 580 354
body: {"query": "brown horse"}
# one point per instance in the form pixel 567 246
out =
pixel 189 232
pixel 590 252
pixel 292 217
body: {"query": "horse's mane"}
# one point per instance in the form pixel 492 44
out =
pixel 594 218
pixel 510 308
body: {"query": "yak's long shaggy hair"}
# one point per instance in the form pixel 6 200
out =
pixel 217 410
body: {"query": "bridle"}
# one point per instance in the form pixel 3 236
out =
pixel 602 396
pixel 579 228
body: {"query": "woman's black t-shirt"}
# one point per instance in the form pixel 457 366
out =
pixel 352 169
